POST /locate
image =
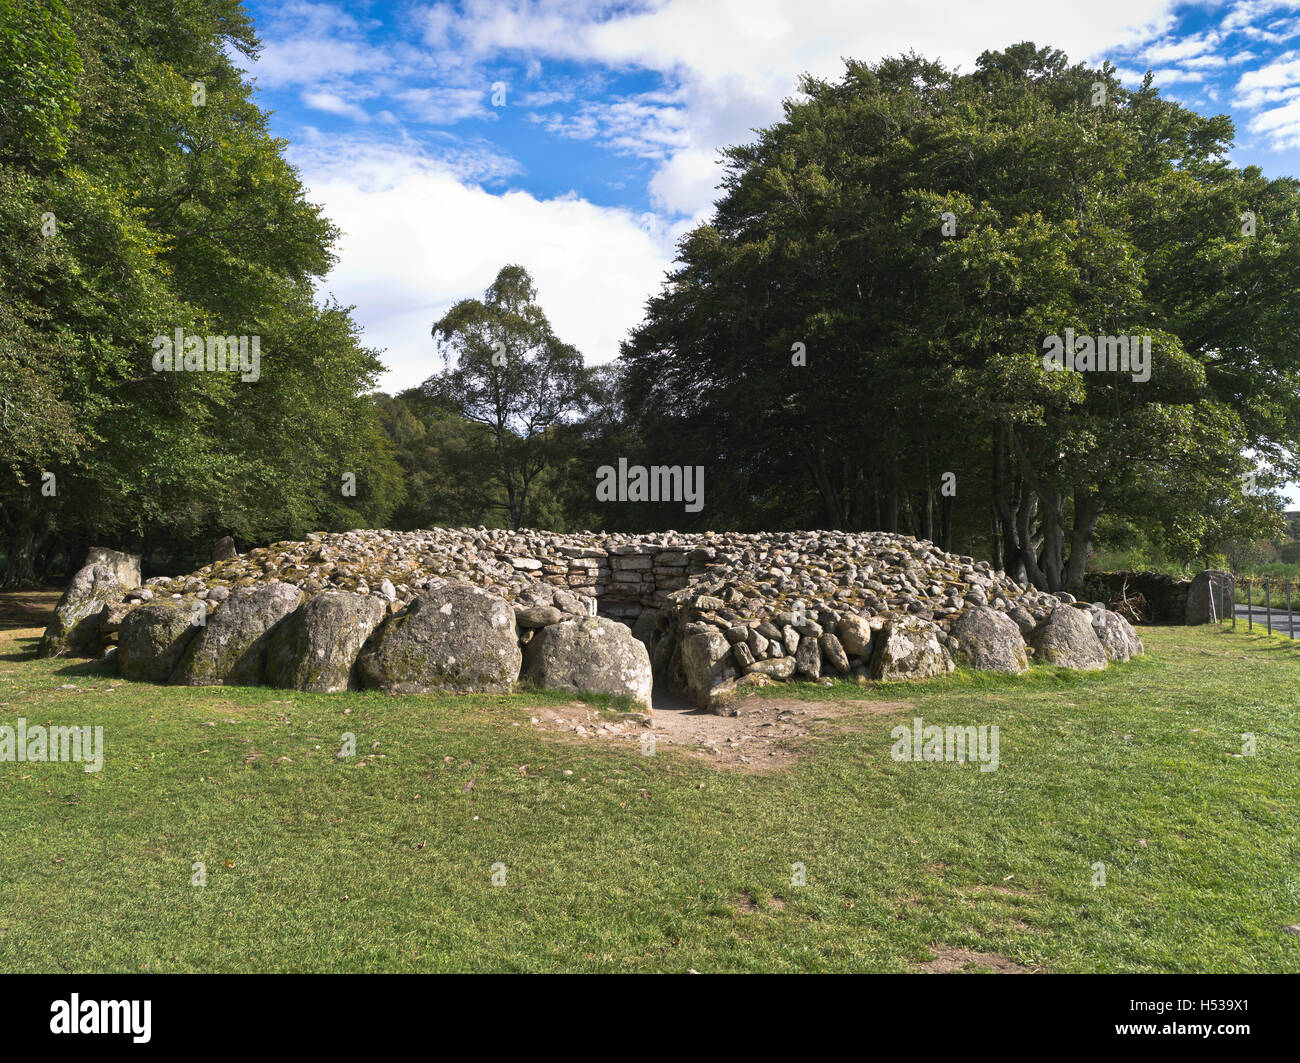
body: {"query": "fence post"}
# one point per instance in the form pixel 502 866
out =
pixel 1250 608
pixel 1268 606
pixel 1290 616
pixel 1233 603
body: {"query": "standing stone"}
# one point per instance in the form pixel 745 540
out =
pixel 1211 588
pixel 1117 636
pixel 808 658
pixel 593 655
pixel 154 636
pixel 453 638
pixel 316 647
pixel 790 639
pixel 75 628
pixel 231 648
pixel 855 635
pixel 224 549
pixel 834 654
pixel 126 567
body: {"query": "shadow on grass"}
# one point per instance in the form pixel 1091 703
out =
pixel 27 652
pixel 23 609
pixel 84 668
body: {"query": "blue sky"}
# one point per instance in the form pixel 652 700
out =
pixel 579 137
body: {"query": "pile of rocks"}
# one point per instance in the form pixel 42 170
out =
pixel 476 609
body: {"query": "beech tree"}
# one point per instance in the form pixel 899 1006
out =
pixel 864 320
pixel 141 192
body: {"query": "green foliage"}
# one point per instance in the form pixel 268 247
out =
pixel 39 67
pixel 446 461
pixel 921 232
pixel 157 201
pixel 514 377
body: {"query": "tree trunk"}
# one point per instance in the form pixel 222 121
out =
pixel 1086 515
pixel 20 552
pixel 830 498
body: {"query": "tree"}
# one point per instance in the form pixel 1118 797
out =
pixel 141 192
pixel 864 319
pixel 513 376
pixel 445 460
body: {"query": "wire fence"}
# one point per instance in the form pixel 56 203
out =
pixel 1253 601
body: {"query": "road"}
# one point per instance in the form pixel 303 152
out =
pixel 1281 625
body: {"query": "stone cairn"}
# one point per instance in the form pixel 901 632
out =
pixel 478 610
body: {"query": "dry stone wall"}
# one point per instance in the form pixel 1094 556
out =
pixel 458 608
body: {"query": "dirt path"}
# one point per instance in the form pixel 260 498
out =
pixel 27 609
pixel 767 735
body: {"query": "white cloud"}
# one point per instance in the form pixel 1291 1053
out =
pixel 1280 124
pixel 1264 89
pixel 1172 75
pixel 1245 16
pixel 1175 50
pixel 420 230
pixel 417 236
pixel 733 61
pixel 309 44
pixel 641 125
pixel 332 103
pixel 687 183
pixel 444 106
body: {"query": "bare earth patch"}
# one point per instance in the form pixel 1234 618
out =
pixel 964 961
pixel 27 611
pixel 767 735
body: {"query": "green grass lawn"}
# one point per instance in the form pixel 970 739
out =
pixel 621 862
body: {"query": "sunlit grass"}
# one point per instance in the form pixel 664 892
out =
pixel 615 861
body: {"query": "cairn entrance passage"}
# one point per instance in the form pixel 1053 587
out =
pixel 703 616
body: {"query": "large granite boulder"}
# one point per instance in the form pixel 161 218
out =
pixel 855 636
pixel 75 628
pixel 909 648
pixel 1210 597
pixel 1067 639
pixel 1116 635
pixel 154 636
pixel 231 648
pixel 593 655
pixel 126 567
pixel 451 638
pixel 989 641
pixel 706 662
pixel 316 647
